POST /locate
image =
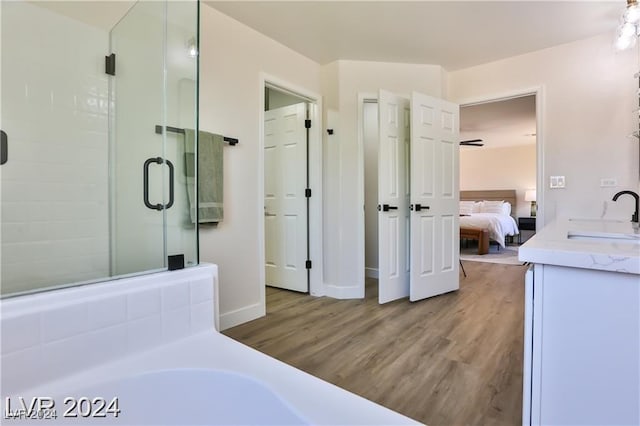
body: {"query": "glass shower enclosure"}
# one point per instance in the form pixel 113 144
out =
pixel 95 97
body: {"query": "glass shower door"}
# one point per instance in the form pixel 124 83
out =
pixel 154 99
pixel 55 180
pixel 137 173
pixel 95 181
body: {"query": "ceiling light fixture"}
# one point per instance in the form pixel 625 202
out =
pixel 629 30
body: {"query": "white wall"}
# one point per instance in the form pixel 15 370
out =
pixel 330 168
pixel 232 56
pixel 344 276
pixel 511 167
pixel 55 227
pixel 589 94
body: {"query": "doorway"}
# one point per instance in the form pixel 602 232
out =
pixel 504 155
pixel 292 190
pixel 410 156
pixel 370 144
pixel 385 132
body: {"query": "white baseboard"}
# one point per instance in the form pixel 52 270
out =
pixel 242 315
pixel 371 272
pixel 339 292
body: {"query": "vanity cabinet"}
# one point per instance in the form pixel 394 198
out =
pixel 582 347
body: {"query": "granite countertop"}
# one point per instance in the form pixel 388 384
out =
pixel 606 245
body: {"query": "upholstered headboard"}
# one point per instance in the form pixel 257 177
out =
pixel 491 195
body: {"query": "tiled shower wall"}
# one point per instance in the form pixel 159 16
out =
pixel 55 208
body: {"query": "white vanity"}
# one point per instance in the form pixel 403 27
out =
pixel 582 324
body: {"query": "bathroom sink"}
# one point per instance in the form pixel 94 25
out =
pixel 604 237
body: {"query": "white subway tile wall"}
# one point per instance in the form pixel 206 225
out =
pixel 55 212
pixel 49 335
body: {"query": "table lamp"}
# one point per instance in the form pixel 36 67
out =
pixel 530 195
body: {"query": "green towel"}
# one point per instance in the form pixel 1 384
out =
pixel 210 175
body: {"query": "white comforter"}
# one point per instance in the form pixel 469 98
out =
pixel 499 225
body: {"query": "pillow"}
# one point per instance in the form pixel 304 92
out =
pixel 466 210
pixel 506 208
pixel 477 206
pixel 492 207
pixel 466 207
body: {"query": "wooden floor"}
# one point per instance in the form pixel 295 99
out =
pixel 454 359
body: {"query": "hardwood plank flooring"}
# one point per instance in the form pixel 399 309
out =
pixel 455 359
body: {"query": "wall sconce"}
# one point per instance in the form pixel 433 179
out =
pixel 192 47
pixel 627 34
pixel 530 195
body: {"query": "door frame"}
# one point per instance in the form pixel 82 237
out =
pixel 538 92
pixel 316 282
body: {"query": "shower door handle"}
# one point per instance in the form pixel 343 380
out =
pixel 4 148
pixel 145 183
pixel 170 203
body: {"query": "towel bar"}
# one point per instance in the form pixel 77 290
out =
pixel 230 141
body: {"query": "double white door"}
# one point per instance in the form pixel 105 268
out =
pixel 418 169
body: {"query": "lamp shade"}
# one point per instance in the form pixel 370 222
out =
pixel 530 195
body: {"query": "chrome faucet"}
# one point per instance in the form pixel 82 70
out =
pixel 634 218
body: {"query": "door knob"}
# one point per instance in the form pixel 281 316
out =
pixel 418 207
pixel 386 207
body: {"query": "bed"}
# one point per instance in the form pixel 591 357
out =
pixel 485 210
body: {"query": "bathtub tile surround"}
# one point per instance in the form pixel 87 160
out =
pixel 54 334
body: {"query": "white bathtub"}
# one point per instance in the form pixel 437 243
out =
pixel 184 396
pixel 197 396
pixel 150 342
pixel 209 379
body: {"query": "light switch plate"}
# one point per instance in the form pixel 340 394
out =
pixel 608 182
pixel 556 182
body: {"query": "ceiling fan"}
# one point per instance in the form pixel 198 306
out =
pixel 472 142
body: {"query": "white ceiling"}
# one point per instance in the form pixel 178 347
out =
pixel 454 34
pixel 500 124
pixel 101 14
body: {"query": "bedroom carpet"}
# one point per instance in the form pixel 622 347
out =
pixel 506 256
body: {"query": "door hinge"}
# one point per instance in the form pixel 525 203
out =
pixel 308 264
pixel 110 64
pixel 307 124
pixel 307 192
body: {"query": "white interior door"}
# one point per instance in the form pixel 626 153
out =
pixel 434 196
pixel 393 197
pixel 285 216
